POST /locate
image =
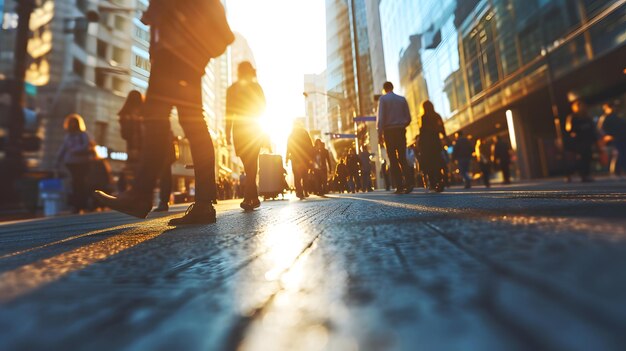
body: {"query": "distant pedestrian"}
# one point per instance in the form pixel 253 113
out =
pixel 432 132
pixel 341 176
pixel 393 118
pixel 300 153
pixel 501 156
pixel 321 166
pixel 242 184
pixel 384 175
pixel 76 154
pixel 462 154
pixel 185 36
pixel 483 158
pixel 245 103
pixel 354 168
pixel 366 169
pixel 614 129
pixel 582 130
pixel 131 126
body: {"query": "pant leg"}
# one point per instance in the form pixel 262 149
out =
pixel 464 165
pixel 506 171
pixel 620 164
pixel 396 151
pixel 191 118
pixel 165 183
pixel 584 165
pixel 250 162
pixel 298 178
pixel 78 172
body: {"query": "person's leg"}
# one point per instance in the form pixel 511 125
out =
pixel 620 164
pixel 78 183
pixel 586 157
pixel 165 184
pixel 251 166
pixel 506 171
pixel 464 165
pixel 297 179
pixel 391 143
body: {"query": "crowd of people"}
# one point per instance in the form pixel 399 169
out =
pixel 187 34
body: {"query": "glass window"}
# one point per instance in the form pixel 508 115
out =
pixel 102 49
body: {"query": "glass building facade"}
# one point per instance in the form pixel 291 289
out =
pixel 477 59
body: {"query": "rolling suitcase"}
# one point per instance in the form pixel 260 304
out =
pixel 271 176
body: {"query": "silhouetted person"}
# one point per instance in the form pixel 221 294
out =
pixel 354 167
pixel 384 174
pixel 300 153
pixel 185 35
pixel 393 118
pixel 165 177
pixel 131 126
pixel 432 132
pixel 501 156
pixel 366 169
pixel 75 154
pixel 462 154
pixel 614 129
pixel 242 184
pixel 483 158
pixel 341 176
pixel 321 166
pixel 582 131
pixel 245 103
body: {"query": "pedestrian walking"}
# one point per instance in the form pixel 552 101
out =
pixel 76 153
pixel 321 166
pixel 501 156
pixel 614 129
pixel 462 154
pixel 300 153
pixel 341 177
pixel 245 103
pixel 432 132
pixel 354 168
pixel 583 135
pixel 384 174
pixel 366 169
pixel 483 158
pixel 185 35
pixel 393 118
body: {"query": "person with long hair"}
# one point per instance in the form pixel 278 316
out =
pixel 75 154
pixel 245 103
pixel 432 131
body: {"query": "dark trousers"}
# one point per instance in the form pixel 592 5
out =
pixel 505 167
pixel 80 195
pixel 165 183
pixel 485 170
pixel 321 181
pixel 250 160
pixel 299 177
pixel 172 83
pixel 585 157
pixel 620 164
pixel 395 143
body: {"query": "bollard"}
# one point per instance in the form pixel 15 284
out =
pixel 50 192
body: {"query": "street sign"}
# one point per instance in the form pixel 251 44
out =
pixel 365 119
pixel 341 136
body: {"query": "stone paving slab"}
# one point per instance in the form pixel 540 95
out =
pixel 516 269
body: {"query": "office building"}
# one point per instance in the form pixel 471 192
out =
pixel 505 67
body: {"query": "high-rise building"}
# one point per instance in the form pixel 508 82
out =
pixel 316 109
pixel 505 67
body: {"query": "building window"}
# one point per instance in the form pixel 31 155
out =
pixel 118 85
pixel 102 49
pixel 80 38
pixel 100 79
pixel 78 68
pixel 118 54
pixel 119 23
pixel 100 132
pixel 142 63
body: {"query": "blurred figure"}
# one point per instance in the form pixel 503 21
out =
pixel 462 154
pixel 354 167
pixel 75 154
pixel 582 131
pixel 242 184
pixel 483 157
pixel 432 132
pixel 614 129
pixel 393 118
pixel 179 54
pixel 322 165
pixel 366 169
pixel 341 175
pixel 384 174
pixel 131 124
pixel 300 153
pixel 245 103
pixel 501 156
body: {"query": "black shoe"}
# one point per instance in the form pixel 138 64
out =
pixel 195 214
pixel 408 190
pixel 127 202
pixel 250 205
pixel 399 191
pixel 163 207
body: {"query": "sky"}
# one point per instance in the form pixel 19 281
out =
pixel 288 38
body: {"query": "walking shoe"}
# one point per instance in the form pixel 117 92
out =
pixel 250 205
pixel 126 202
pixel 399 191
pixel 195 214
pixel 163 207
pixel 408 190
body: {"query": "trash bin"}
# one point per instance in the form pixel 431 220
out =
pixel 51 194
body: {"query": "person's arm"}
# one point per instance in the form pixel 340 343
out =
pixel 407 113
pixel 380 120
pixel 61 153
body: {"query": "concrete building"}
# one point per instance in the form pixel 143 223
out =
pixel 316 107
pixel 505 67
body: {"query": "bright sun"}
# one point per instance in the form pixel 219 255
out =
pixel 277 125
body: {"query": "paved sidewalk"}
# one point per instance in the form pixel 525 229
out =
pixel 532 267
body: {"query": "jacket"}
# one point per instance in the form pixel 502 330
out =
pixel 393 112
